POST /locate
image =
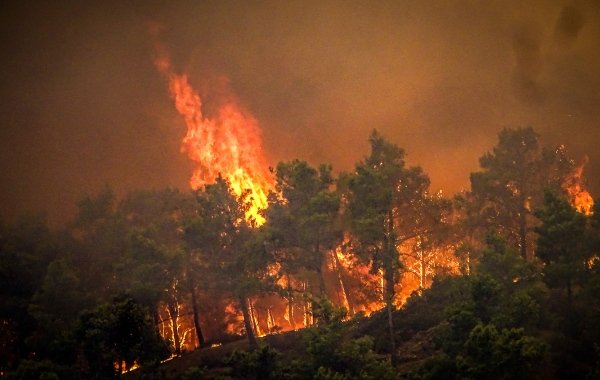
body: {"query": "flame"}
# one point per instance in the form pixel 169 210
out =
pixel 574 185
pixel 227 143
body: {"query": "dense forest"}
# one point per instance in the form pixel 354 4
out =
pixel 382 277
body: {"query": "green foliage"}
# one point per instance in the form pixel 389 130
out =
pixel 490 317
pixel 262 363
pixel 562 243
pixel 501 319
pixel 490 353
pixel 388 205
pixel 302 218
pixel 329 353
pixel 27 247
pixel 55 307
pixel 372 199
pixel 94 210
pixel 326 313
pixel 439 367
pixel 194 373
pixel 568 247
pixel 511 183
pixel 153 258
pixel 42 370
pixel 514 292
pixel 232 253
pixel 333 355
pixel 119 332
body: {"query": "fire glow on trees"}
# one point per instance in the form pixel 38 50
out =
pixel 226 144
pixel 574 185
pixel 225 141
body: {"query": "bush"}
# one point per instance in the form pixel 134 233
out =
pixel 259 364
pixel 194 373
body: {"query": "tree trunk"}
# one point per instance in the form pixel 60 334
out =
pixel 173 314
pixel 468 263
pixel 157 322
pixel 270 320
pixel 307 307
pixel 346 300
pixel 389 304
pixel 248 323
pixel 422 271
pixel 319 270
pixel 388 272
pixel 254 317
pixel 322 292
pixel 523 230
pixel 199 334
pixel 290 304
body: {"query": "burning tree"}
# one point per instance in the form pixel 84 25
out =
pixel 302 225
pixel 512 182
pixel 229 246
pixel 117 335
pixel 562 243
pixel 387 202
pixel 156 266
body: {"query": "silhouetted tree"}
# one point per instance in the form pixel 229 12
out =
pixel 229 245
pixel 307 210
pixel 387 202
pixel 511 184
pixel 118 334
pixel 562 243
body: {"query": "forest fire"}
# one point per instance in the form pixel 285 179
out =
pixel 251 190
pixel 226 144
pixel 223 140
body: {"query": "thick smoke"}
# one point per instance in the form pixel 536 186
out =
pixel 84 107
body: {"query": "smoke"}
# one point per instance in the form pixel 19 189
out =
pixel 83 105
pixel 568 25
pixel 526 43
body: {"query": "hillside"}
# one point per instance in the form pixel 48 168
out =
pixel 499 322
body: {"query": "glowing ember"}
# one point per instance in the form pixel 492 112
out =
pixel 575 187
pixel 227 143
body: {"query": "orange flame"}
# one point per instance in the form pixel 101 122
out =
pixel 227 143
pixel 574 185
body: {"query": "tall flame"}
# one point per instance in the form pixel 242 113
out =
pixel 227 143
pixel 574 185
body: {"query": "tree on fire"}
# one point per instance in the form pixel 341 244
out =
pixel 121 332
pixel 302 222
pixel 228 246
pixel 155 267
pixel 568 245
pixel 388 206
pixel 169 261
pixel 562 244
pixel 511 185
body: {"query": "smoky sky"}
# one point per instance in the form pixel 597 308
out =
pixel 83 106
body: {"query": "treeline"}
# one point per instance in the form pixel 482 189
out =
pixel 133 281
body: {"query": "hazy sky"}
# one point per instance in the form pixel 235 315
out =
pixel 83 106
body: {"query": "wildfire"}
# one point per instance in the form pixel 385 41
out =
pixel 227 143
pixel 580 198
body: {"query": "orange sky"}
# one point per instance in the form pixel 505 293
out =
pixel 83 107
